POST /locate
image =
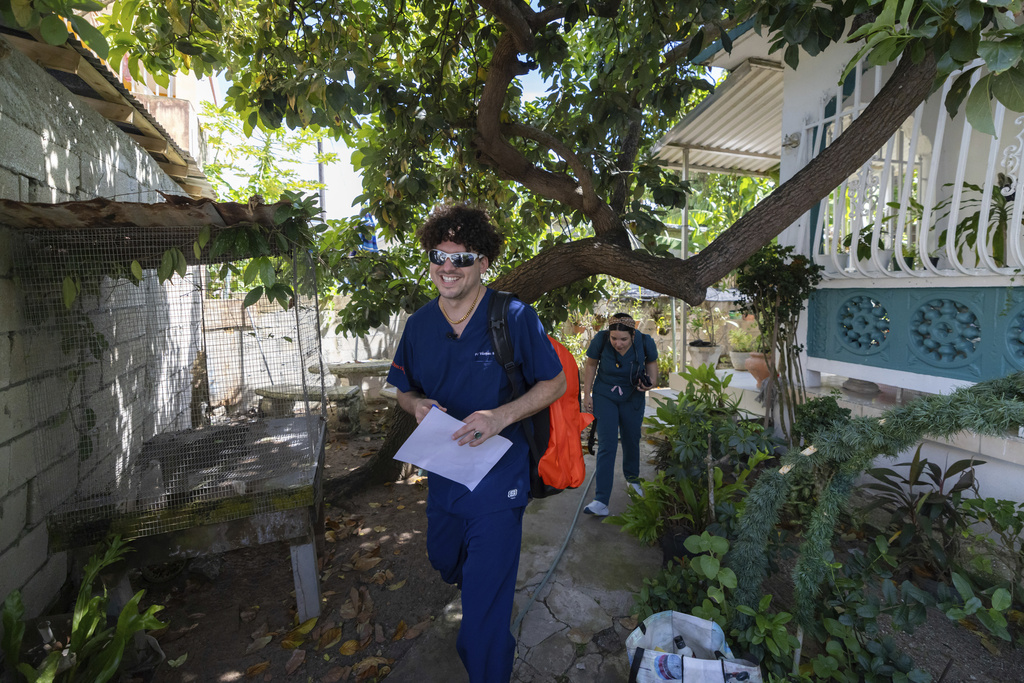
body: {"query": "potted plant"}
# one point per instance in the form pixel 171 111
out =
pixel 708 323
pixel 773 284
pixel 741 345
pixel 967 228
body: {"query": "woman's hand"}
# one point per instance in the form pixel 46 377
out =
pixel 588 403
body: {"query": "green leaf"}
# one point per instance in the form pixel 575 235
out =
pixel 166 267
pixel 1001 599
pixel 1000 55
pixel 252 297
pixel 958 91
pixel 251 271
pixel 53 30
pixel 69 290
pixel 180 264
pixel 709 566
pixel 197 250
pixel 14 627
pixel 968 15
pixel 1008 88
pixel 137 270
pixel 23 11
pixel 204 236
pixel 979 108
pixel 90 36
pixel 719 545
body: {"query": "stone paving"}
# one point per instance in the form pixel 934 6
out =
pixel 575 629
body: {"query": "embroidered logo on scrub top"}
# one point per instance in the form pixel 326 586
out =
pixel 513 493
pixel 483 356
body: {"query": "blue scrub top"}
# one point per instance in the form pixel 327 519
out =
pixel 463 376
pixel 616 372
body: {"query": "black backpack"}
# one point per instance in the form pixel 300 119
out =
pixel 536 427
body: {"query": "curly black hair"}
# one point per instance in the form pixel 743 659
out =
pixel 463 224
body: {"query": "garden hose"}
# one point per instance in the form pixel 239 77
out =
pixel 517 624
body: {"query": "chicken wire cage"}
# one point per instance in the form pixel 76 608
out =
pixel 147 393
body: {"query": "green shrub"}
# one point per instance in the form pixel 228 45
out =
pixel 94 651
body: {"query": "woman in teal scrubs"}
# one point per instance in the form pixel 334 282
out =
pixel 622 364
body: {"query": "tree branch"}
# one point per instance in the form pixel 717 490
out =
pixel 516 17
pixel 555 145
pixel 909 85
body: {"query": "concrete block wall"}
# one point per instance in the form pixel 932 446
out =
pixel 54 149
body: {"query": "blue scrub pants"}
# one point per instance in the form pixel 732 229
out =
pixel 615 419
pixel 481 555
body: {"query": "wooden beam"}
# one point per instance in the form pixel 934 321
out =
pixel 174 170
pixel 725 151
pixel 47 56
pixel 157 145
pixel 120 113
pixel 112 104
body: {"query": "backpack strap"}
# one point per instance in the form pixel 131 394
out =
pixel 501 339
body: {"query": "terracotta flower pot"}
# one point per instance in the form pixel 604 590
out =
pixel 757 366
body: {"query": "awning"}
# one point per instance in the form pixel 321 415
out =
pixel 736 130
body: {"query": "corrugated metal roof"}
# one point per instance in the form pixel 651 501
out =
pixel 737 129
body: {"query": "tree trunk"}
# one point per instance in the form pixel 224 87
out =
pixel 382 465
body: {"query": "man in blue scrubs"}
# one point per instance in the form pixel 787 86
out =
pixel 445 361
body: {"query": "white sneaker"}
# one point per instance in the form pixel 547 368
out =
pixel 636 487
pixel 597 508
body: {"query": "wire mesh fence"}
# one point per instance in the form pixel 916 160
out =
pixel 162 406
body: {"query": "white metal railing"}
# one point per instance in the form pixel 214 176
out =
pixel 937 201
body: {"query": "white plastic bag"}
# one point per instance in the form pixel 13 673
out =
pixel 672 646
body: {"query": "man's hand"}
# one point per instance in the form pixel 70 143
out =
pixel 480 426
pixel 416 404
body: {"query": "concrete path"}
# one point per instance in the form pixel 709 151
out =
pixel 575 629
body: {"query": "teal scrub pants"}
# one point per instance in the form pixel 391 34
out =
pixel 480 554
pixel 615 420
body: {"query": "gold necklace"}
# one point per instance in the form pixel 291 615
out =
pixel 463 318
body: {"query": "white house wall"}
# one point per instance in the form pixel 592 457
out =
pixel 53 149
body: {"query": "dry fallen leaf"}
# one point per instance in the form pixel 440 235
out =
pixel 294 661
pixel 336 673
pixel 256 669
pixel 349 647
pixel 175 663
pixel 375 505
pixel 260 631
pixel 417 629
pixel 330 537
pixel 396 586
pixel 364 632
pixel 400 630
pixel 378 633
pixel 330 638
pixel 364 664
pixel 258 644
pixel 365 563
pixel 401 507
pixel 380 529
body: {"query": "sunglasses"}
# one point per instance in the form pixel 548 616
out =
pixel 460 259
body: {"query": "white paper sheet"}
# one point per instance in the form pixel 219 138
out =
pixel 431 447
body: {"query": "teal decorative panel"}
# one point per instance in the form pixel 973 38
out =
pixel 971 333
